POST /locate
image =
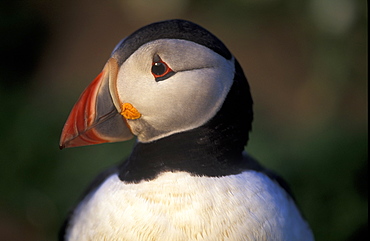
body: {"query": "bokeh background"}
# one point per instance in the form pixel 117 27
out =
pixel 306 62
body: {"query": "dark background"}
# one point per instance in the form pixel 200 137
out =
pixel 306 62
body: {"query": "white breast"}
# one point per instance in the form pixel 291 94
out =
pixel 178 206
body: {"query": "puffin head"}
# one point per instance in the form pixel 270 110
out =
pixel 166 78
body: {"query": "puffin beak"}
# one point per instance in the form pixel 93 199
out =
pixel 95 119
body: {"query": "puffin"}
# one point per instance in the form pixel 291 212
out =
pixel 180 92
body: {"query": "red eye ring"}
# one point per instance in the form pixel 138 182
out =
pixel 160 69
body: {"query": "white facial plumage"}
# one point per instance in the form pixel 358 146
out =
pixel 184 101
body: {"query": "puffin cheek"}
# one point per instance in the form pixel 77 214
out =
pixel 183 106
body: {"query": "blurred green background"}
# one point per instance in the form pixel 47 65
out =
pixel 306 62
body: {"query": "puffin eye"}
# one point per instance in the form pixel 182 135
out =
pixel 161 70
